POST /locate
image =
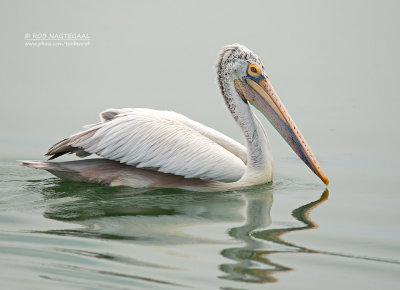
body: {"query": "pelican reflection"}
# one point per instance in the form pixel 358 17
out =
pixel 252 260
pixel 235 224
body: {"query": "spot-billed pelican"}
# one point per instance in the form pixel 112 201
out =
pixel 150 148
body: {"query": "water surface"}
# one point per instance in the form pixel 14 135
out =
pixel 335 66
pixel 75 235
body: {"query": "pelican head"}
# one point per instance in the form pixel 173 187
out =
pixel 242 80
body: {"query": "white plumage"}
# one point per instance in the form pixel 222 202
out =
pixel 163 141
pixel 150 148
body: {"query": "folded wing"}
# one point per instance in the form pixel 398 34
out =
pixel 159 140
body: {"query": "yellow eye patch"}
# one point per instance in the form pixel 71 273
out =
pixel 254 70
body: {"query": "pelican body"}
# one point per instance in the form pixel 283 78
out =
pixel 149 148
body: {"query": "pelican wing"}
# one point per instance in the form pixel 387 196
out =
pixel 159 140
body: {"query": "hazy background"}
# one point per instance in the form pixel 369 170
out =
pixel 334 64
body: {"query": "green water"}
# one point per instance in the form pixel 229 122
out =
pixel 335 66
pixel 56 234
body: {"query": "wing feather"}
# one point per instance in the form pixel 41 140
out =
pixel 156 140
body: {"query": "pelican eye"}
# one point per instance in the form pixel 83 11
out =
pixel 254 70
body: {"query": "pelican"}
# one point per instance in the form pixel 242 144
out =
pixel 150 148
